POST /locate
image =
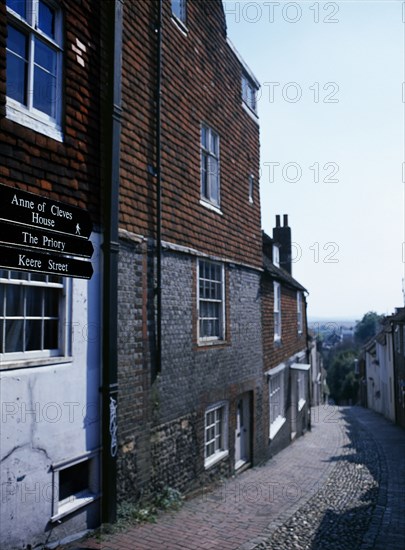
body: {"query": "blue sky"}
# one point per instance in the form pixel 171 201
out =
pixel 332 131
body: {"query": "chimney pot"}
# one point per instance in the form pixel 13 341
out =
pixel 277 221
pixel 285 220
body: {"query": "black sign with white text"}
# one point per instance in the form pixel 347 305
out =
pixel 42 213
pixel 29 237
pixel 25 260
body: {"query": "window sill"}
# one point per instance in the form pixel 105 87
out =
pixel 211 207
pixel 211 343
pixel 26 363
pixel 251 113
pixel 217 457
pixel 17 113
pixel 73 503
pixel 276 426
pixel 180 25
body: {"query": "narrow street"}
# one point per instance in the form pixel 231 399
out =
pixel 341 486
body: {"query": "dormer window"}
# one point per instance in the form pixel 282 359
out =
pixel 276 255
pixel 249 93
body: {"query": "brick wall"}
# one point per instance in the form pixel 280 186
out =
pixel 201 83
pixel 161 421
pixel 135 359
pixel 283 351
pixel 291 341
pixel 68 171
pixel 189 373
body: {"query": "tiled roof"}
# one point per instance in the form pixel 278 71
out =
pixel 280 274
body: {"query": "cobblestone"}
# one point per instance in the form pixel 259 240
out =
pixel 340 487
pixel 339 514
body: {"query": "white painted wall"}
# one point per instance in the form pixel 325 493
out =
pixel 50 414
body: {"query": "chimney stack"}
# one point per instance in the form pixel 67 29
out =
pixel 282 235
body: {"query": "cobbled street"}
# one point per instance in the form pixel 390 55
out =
pixel 339 487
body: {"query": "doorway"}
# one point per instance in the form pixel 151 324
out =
pixel 242 432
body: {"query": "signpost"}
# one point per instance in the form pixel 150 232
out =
pixel 24 260
pixel 29 209
pixel 49 241
pixel 41 235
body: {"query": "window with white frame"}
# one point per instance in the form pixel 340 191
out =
pixel 76 485
pixel 277 311
pixel 276 402
pixel 301 388
pixel 211 306
pixel 210 165
pixel 251 187
pixel 216 433
pixel 31 313
pixel 276 255
pixel 249 93
pixel 34 65
pixel 299 312
pixel 179 10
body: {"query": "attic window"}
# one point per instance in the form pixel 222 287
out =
pixel 276 255
pixel 249 93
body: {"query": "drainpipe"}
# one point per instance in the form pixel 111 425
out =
pixel 113 111
pixel 158 30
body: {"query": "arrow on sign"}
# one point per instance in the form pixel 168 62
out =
pixel 30 209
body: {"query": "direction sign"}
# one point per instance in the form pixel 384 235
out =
pixel 28 237
pixel 26 260
pixel 30 209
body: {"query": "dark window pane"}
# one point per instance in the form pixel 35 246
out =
pixel 2 292
pixel 46 19
pixel 14 336
pixel 44 92
pixel 3 274
pixel 45 57
pixel 73 480
pixel 16 78
pixel 17 42
pixel 33 331
pixel 14 301
pixel 52 303
pixel 204 137
pixel 38 277
pixel 19 275
pixel 55 279
pixel 34 301
pixel 1 336
pixel 204 175
pixel 19 6
pixel 51 335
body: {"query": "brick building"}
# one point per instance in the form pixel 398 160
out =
pixel 286 403
pixel 50 325
pixel 144 115
pixel 190 370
